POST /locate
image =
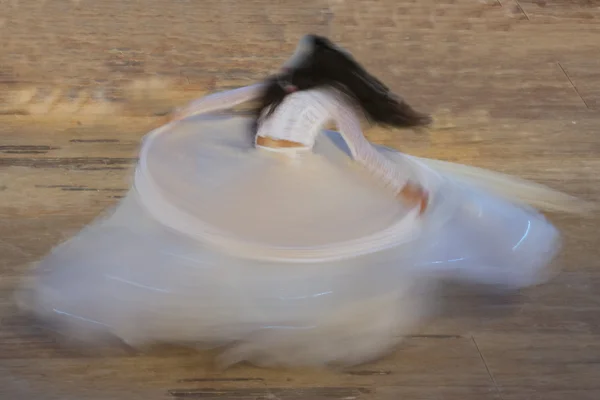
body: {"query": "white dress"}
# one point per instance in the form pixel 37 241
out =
pixel 296 257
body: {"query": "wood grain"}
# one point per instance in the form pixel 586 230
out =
pixel 513 85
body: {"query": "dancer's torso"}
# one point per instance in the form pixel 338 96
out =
pixel 299 119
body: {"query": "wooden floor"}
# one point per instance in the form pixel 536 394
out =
pixel 513 85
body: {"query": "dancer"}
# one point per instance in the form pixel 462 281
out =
pixel 288 244
pixel 330 86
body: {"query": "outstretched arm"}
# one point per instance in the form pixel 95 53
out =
pixel 376 163
pixel 220 101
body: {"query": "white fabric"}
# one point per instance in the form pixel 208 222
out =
pixel 222 100
pixel 299 118
pixel 149 271
pixel 254 185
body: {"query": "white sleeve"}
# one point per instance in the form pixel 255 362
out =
pixel 221 100
pixel 390 173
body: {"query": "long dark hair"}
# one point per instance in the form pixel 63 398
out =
pixel 326 65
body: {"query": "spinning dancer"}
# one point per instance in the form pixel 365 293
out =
pixel 287 244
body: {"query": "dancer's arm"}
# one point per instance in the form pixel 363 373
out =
pixel 220 101
pixel 376 163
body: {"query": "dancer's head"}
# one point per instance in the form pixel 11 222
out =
pixel 319 63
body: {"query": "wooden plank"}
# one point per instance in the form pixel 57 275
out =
pixel 585 78
pixel 586 11
pixel 542 362
pixel 453 363
pixel 532 394
pixel 512 86
pixel 436 392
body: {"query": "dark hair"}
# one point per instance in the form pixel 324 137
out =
pixel 328 66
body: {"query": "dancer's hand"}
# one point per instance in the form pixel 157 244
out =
pixel 413 195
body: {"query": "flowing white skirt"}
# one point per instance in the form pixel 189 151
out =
pixel 283 261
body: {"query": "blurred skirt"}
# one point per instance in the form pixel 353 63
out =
pixel 285 260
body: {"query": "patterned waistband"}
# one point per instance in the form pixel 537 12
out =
pixel 280 145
